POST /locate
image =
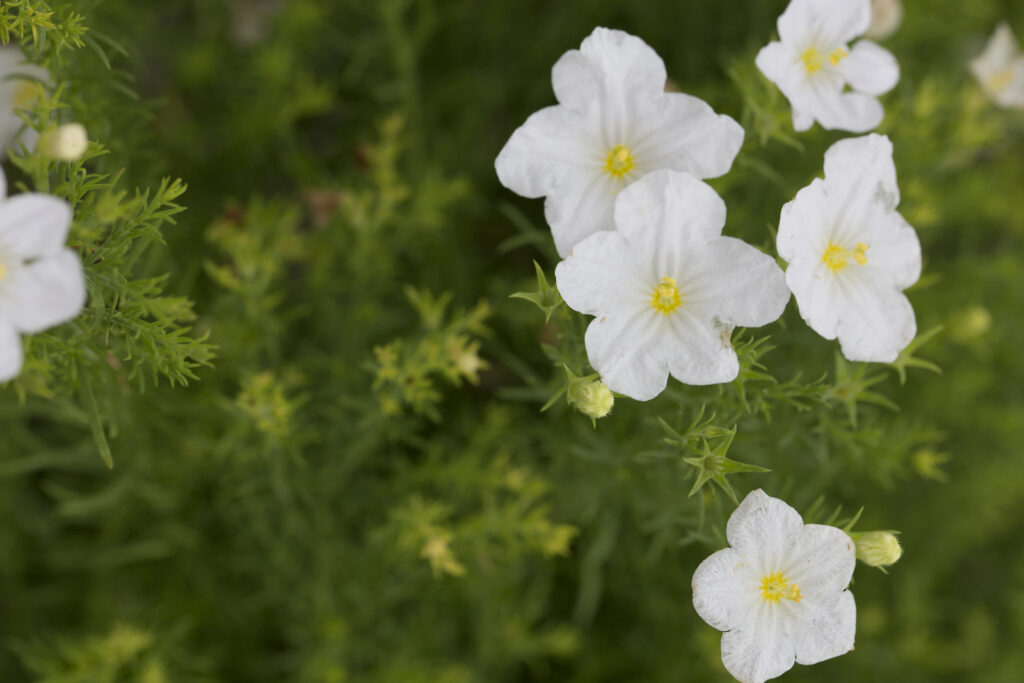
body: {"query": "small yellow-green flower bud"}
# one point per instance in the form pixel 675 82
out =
pixel 877 548
pixel 64 143
pixel 592 398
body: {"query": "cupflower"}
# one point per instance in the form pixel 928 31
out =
pixel 779 592
pixel 851 254
pixel 1000 68
pixel 16 92
pixel 813 63
pixel 666 288
pixel 614 122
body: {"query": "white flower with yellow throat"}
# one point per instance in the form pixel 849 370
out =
pixel 667 289
pixel 1000 68
pixel 779 592
pixel 813 62
pixel 613 124
pixel 17 92
pixel 850 254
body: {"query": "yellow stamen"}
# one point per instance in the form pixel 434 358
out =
pixel 812 60
pixel 666 297
pixel 1000 80
pixel 619 162
pixel 25 93
pixel 838 55
pixel 774 588
pixel 836 257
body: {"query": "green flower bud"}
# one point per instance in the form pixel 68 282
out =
pixel 64 143
pixel 592 398
pixel 877 548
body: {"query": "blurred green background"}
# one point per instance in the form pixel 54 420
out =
pixel 360 485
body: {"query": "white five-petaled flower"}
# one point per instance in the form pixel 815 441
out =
pixel 886 17
pixel 1000 68
pixel 41 281
pixel 16 93
pixel 851 254
pixel 614 123
pixel 812 63
pixel 667 288
pixel 779 592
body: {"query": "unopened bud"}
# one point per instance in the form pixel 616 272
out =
pixel 877 548
pixel 592 398
pixel 67 142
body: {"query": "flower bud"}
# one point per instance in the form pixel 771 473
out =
pixel 592 398
pixel 67 142
pixel 877 548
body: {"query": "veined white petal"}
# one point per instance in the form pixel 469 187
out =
pixel 859 173
pixel 822 561
pixel 724 589
pixel 10 351
pixel 893 248
pixel 599 277
pixel 735 284
pixel 554 143
pixel 577 81
pixel 628 352
pixel 665 216
pixel 850 111
pixel 826 628
pixel 683 133
pixel 876 322
pixel 764 530
pixel 631 70
pixel 805 225
pixel 815 289
pixel 761 648
pixel 824 22
pixel 870 68
pixel 47 292
pixel 581 206
pixel 699 351
pixel 33 225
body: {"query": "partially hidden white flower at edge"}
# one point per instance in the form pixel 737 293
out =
pixel 850 254
pixel 667 288
pixel 886 18
pixel 614 123
pixel 813 62
pixel 1000 68
pixel 779 592
pixel 17 93
pixel 42 283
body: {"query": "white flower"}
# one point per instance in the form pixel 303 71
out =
pixel 41 281
pixel 16 93
pixel 814 62
pixel 779 592
pixel 1000 68
pixel 614 123
pixel 851 254
pixel 667 288
pixel 886 18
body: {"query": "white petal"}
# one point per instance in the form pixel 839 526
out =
pixel 735 284
pixel 552 144
pixel 631 70
pixel 876 321
pixel 815 288
pixel 576 81
pixel 627 351
pixel 599 277
pixel 722 589
pixel 860 172
pixel 582 205
pixel 805 225
pixel 33 225
pixel 826 629
pixel 781 65
pixel 1001 48
pixel 10 351
pixel 824 22
pixel 45 293
pixel 870 68
pixel 823 560
pixel 760 649
pixel 850 111
pixel 698 351
pixel 683 133
pixel 764 530
pixel 802 121
pixel 886 17
pixel 893 248
pixel 667 214
pixel 3 181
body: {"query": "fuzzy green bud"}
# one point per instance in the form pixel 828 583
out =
pixel 877 548
pixel 592 398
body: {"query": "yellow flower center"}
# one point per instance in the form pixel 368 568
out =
pixel 25 93
pixel 814 61
pixel 666 297
pixel 774 588
pixel 1000 80
pixel 3 271
pixel 836 257
pixel 619 162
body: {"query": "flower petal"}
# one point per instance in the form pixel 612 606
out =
pixel 630 69
pixel 805 225
pixel 683 133
pixel 870 68
pixel 3 176
pixel 627 351
pixel 33 225
pixel 823 560
pixel 553 143
pixel 581 206
pixel 764 529
pixel 850 111
pixel 760 649
pixel 825 22
pixel 859 173
pixel 722 593
pixel 10 351
pixel 827 628
pixel 699 352
pixel 876 322
pixel 815 289
pixel 597 278
pixel 44 293
pixel 893 248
